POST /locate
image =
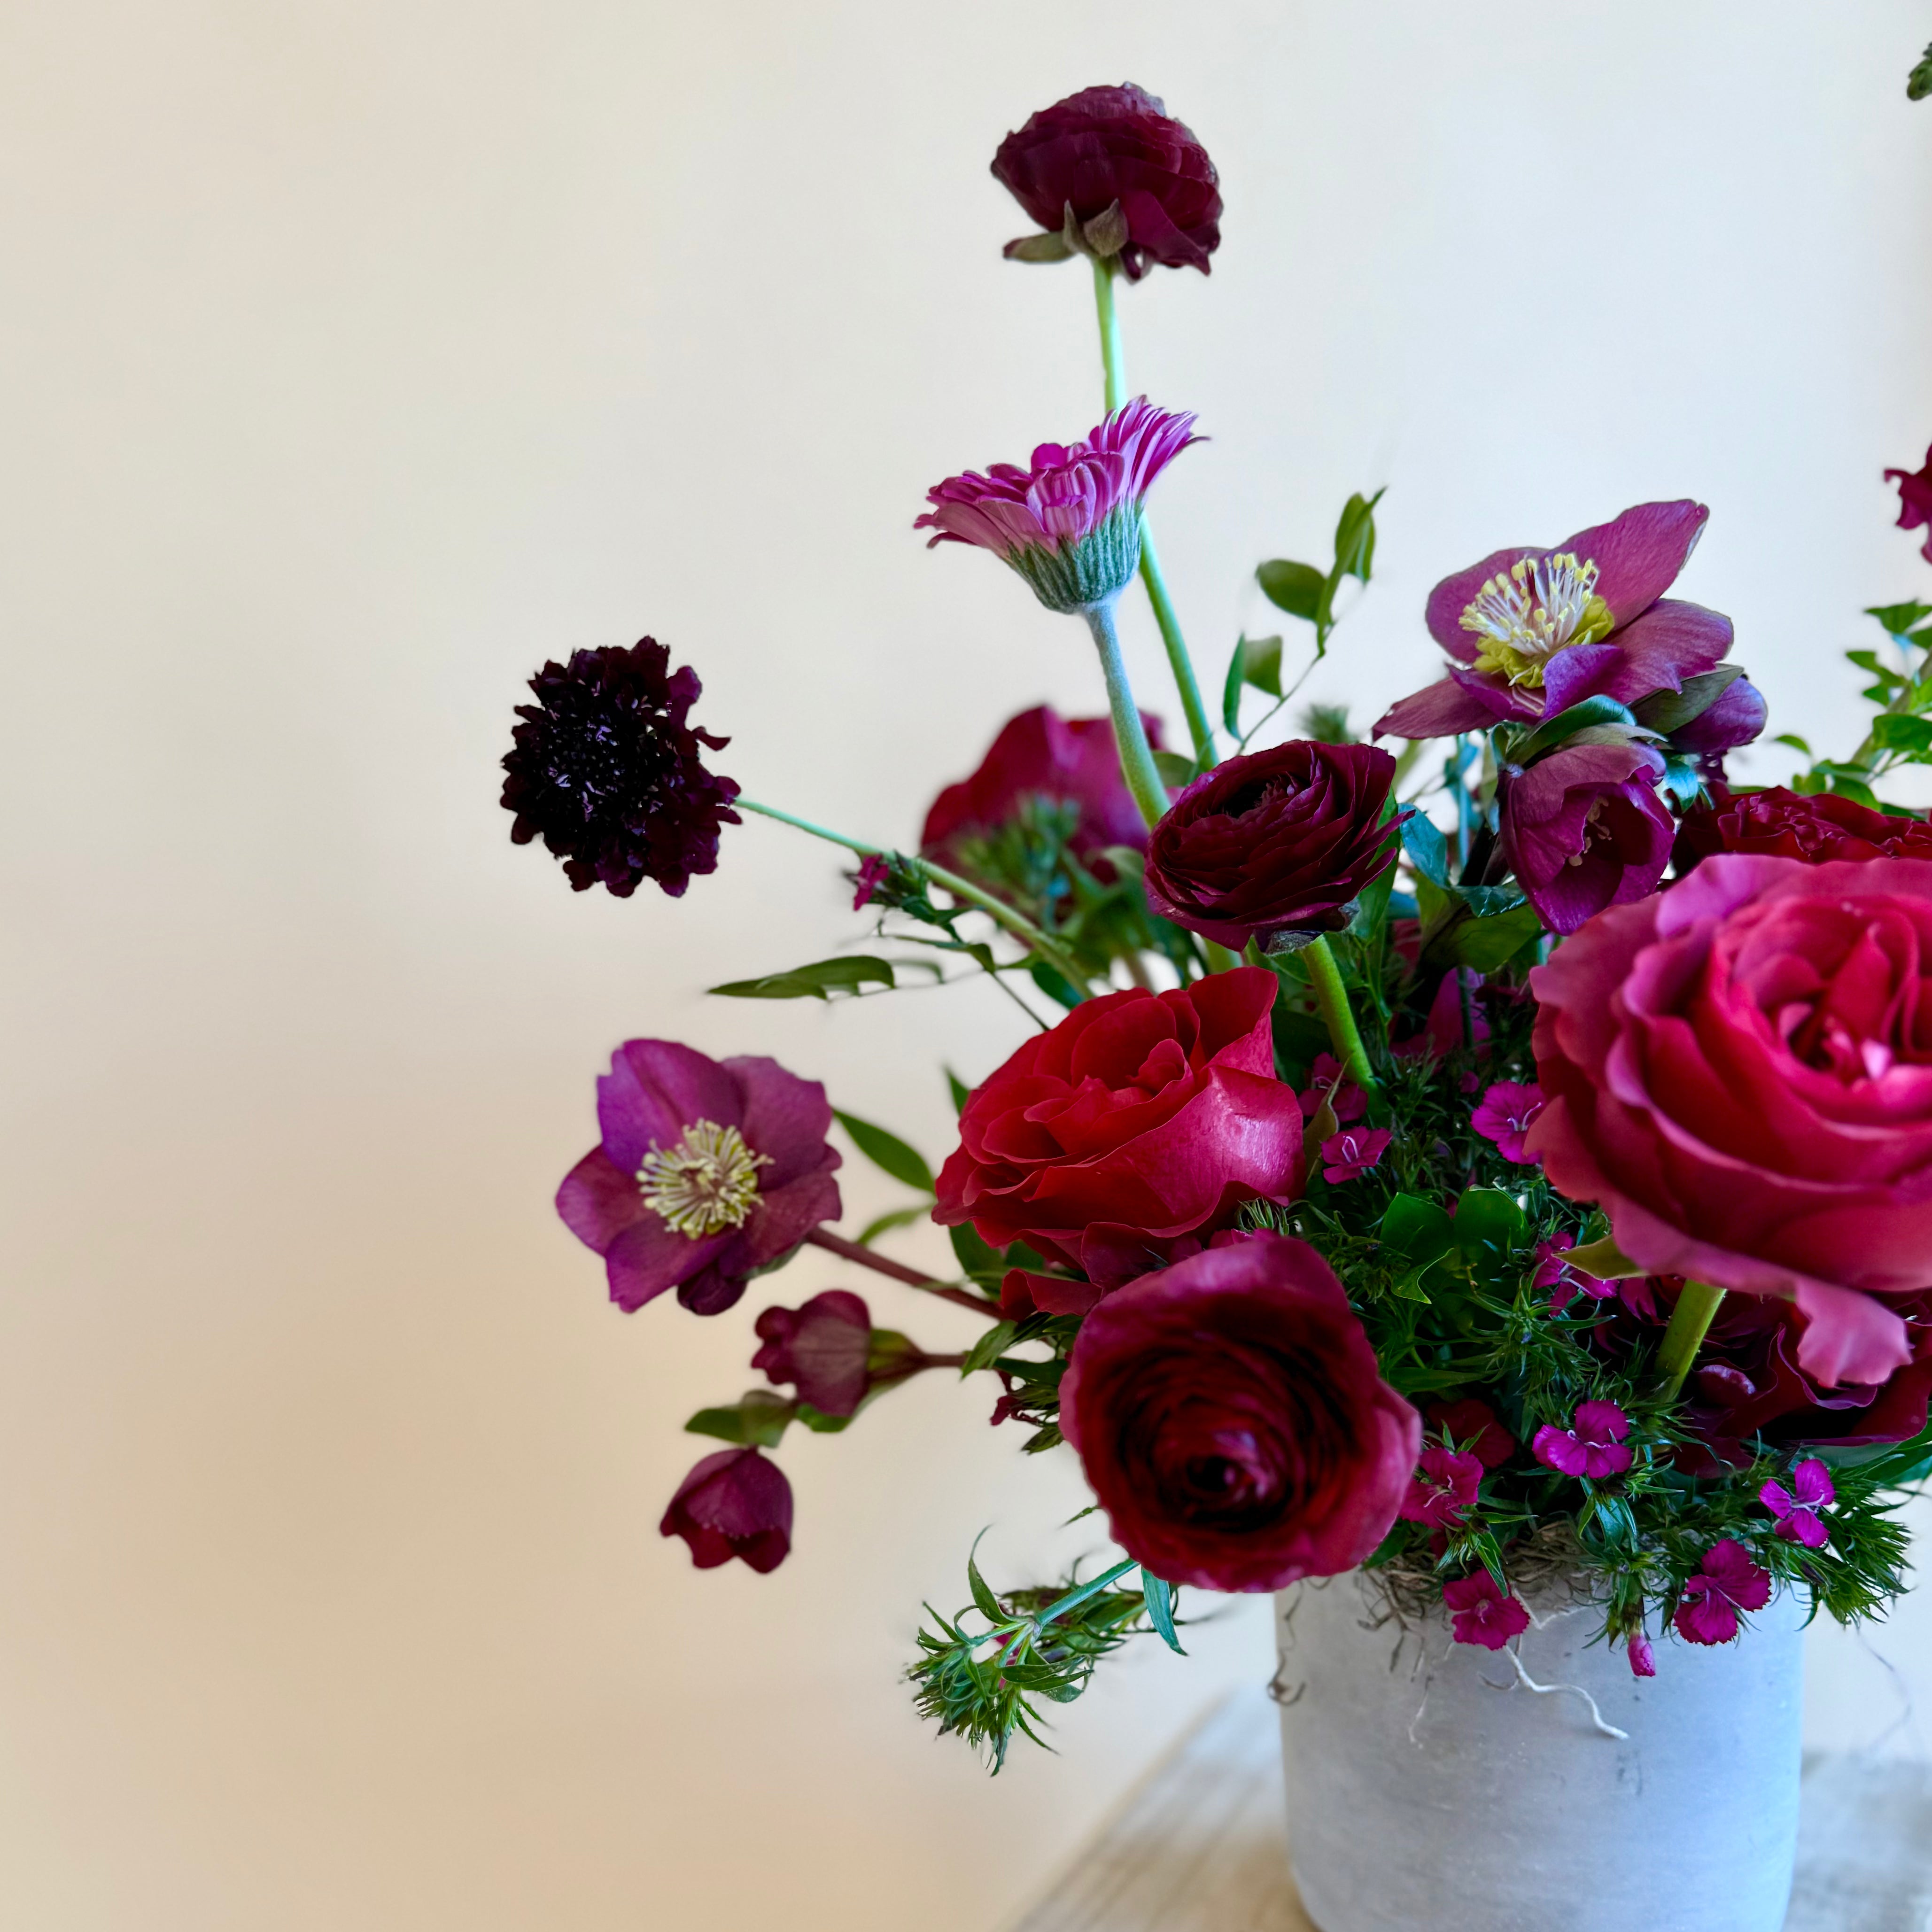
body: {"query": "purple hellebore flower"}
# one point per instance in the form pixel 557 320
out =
pixel 1440 1487
pixel 1642 1657
pixel 1482 1613
pixel 1796 1508
pixel 1503 1115
pixel 1565 1281
pixel 1593 1445
pixel 1584 829
pixel 1070 524
pixel 1349 1155
pixel 1735 718
pixel 1534 631
pixel 710 1171
pixel 733 1504
pixel 1915 500
pixel 1728 1582
pixel 822 1349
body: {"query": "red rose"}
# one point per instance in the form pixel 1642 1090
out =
pixel 1740 1073
pixel 1232 1420
pixel 1279 841
pixel 1119 1141
pixel 1789 825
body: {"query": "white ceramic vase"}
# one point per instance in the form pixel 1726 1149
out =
pixel 1429 1787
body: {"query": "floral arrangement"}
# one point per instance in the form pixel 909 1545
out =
pixel 1503 1163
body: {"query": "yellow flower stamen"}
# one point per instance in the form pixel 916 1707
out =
pixel 708 1182
pixel 1537 607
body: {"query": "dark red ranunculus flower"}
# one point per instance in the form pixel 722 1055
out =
pixel 733 1504
pixel 822 1349
pixel 1790 825
pixel 1126 1136
pixel 1915 499
pixel 1584 829
pixel 1233 1422
pixel 1040 754
pixel 606 770
pixel 1278 840
pixel 1105 145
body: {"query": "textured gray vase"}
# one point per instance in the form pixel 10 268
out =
pixel 1428 1788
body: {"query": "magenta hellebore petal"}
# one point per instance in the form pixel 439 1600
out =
pixel 733 1504
pixel 1070 524
pixel 709 1172
pixel 1442 1485
pixel 821 1349
pixel 1350 1154
pixel 1481 1613
pixel 1593 1445
pixel 1534 631
pixel 1796 1508
pixel 1504 1114
pixel 1915 500
pixel 1727 1583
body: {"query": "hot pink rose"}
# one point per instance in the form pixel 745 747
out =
pixel 1233 1422
pixel 1123 1139
pixel 1740 1073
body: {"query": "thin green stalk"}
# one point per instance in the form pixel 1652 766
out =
pixel 1219 959
pixel 1114 364
pixel 1332 996
pixel 1137 764
pixel 1071 1600
pixel 1697 1306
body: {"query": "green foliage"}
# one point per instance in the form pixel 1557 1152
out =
pixel 818 981
pixel 1919 82
pixel 887 1151
pixel 760 1416
pixel 1900 686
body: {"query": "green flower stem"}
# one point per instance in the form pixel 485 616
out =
pixel 1017 923
pixel 1071 1600
pixel 1142 774
pixel 1332 996
pixel 1219 959
pixel 1115 363
pixel 1690 1322
pixel 850 1251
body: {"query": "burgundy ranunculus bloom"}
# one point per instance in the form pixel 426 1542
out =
pixel 1790 825
pixel 1123 1139
pixel 1105 145
pixel 1534 631
pixel 1040 754
pixel 1915 500
pixel 1740 1074
pixel 1584 829
pixel 1233 1422
pixel 710 1171
pixel 733 1504
pixel 1278 840
pixel 822 1349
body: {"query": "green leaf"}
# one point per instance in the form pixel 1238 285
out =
pixel 1261 664
pixel 1847 784
pixel 1231 688
pixel 989 1347
pixel 900 1217
pixel 1418 1230
pixel 1682 781
pixel 1898 618
pixel 1791 739
pixel 1051 246
pixel 978 1262
pixel 887 1151
pixel 1355 537
pixel 1487 944
pixel 1428 851
pixel 1912 736
pixel 1669 711
pixel 1054 984
pixel 818 981
pixel 988 1604
pixel 1581 716
pixel 1489 1221
pixel 958 1089
pixel 1175 769
pixel 1296 588
pixel 1160 1598
pixel 1604 1259
pixel 758 1417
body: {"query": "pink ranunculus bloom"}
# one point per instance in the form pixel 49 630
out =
pixel 1727 1582
pixel 1915 500
pixel 1504 1114
pixel 1471 1424
pixel 1740 1075
pixel 822 1349
pixel 1232 1420
pixel 1534 631
pixel 1481 1613
pixel 1441 1485
pixel 1593 1445
pixel 1585 828
pixel 1346 1101
pixel 1565 1281
pixel 1642 1657
pixel 733 1504
pixel 1350 1154
pixel 709 1171
pixel 1069 524
pixel 1796 1508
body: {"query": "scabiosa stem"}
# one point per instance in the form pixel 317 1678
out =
pixel 1137 764
pixel 1690 1321
pixel 1113 362
pixel 1332 996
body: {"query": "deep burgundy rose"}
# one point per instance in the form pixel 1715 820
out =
pixel 821 1349
pixel 1109 144
pixel 710 1171
pixel 733 1504
pixel 1232 1420
pixel 1040 754
pixel 1123 1139
pixel 1279 841
pixel 1789 825
pixel 1915 500
pixel 1740 1073
pixel 1584 829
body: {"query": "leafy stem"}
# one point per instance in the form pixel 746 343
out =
pixel 850 1251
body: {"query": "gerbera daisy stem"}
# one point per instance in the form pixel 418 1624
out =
pixel 1114 364
pixel 1690 1322
pixel 1332 996
pixel 1137 764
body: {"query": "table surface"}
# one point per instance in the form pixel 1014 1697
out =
pixel 1200 1847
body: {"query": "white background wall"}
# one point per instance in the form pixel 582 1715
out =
pixel 358 356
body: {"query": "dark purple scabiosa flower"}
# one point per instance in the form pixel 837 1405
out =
pixel 709 1171
pixel 1915 500
pixel 733 1504
pixel 1534 631
pixel 1108 172
pixel 606 770
pixel 1727 1583
pixel 1069 524
pixel 1796 1508
pixel 1593 1445
pixel 1441 1485
pixel 1480 1613
pixel 1504 1114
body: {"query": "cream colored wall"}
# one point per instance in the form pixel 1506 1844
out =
pixel 356 356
